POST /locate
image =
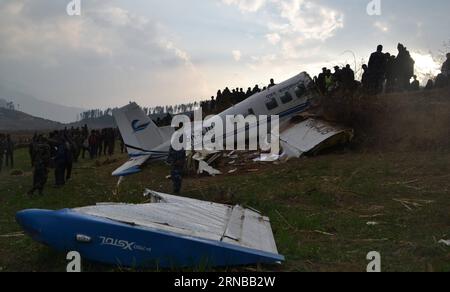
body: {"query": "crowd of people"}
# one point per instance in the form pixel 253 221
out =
pixel 384 73
pixel 61 149
pixel 227 97
pixel 6 151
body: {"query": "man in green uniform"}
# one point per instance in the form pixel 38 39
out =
pixel 41 161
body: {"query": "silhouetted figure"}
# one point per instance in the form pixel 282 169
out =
pixel 441 81
pixel 328 80
pixel 430 85
pixel 445 70
pixel 365 77
pixel 256 89
pixel 272 83
pixel 9 152
pixel 212 104
pixel 348 78
pixel 60 162
pixel 337 76
pixel 100 142
pixel 377 71
pixel 2 150
pixel 177 160
pixel 404 68
pixel 390 73
pixel 415 85
pixel 321 84
pixel 249 92
pixel 241 95
pixel 110 141
pixel 69 160
pixel 122 145
pixel 93 150
pixel 31 146
pixel 41 162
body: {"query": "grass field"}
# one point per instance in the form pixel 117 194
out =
pixel 319 208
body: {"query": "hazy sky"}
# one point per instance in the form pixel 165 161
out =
pixel 173 51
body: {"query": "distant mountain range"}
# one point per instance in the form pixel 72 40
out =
pixel 15 121
pixel 38 108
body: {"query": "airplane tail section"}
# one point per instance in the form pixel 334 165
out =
pixel 139 132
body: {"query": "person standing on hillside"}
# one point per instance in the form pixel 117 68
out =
pixel 446 68
pixel 377 69
pixel 9 152
pixel 365 78
pixel 41 162
pixel 272 83
pixel 415 85
pixel 321 81
pixel 404 68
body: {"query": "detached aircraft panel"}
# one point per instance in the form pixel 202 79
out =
pixel 308 135
pixel 132 166
pixel 189 217
pixel 170 232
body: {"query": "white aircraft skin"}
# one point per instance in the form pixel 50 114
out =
pixel 146 142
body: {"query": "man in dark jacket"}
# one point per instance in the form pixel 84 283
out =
pixel 177 160
pixel 321 84
pixel 446 67
pixel 404 68
pixel 377 69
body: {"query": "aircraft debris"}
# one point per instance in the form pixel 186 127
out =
pixel 169 232
pixel 267 158
pixel 312 136
pixel 205 167
pixel 445 242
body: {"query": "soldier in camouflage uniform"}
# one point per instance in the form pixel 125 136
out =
pixel 41 161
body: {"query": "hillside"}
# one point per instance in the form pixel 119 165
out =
pixel 397 121
pixel 39 108
pixel 19 121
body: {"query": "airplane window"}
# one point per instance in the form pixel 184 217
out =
pixel 286 98
pixel 300 91
pixel 272 104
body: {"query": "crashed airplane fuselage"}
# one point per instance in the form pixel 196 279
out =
pixel 146 142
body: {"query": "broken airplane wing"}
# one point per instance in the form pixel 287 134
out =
pixel 170 232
